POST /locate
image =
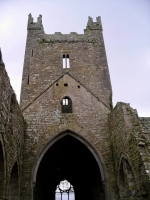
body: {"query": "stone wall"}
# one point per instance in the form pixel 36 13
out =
pixel 130 146
pixel 12 127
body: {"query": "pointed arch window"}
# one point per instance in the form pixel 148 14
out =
pixel 66 62
pixel 126 181
pixel 64 191
pixel 66 105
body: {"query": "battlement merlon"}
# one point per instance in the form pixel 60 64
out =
pixel 94 25
pixel 35 25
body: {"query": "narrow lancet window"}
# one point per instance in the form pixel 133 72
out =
pixel 66 105
pixel 64 191
pixel 32 52
pixel 28 79
pixel 66 62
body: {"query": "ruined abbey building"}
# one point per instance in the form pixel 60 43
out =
pixel 65 140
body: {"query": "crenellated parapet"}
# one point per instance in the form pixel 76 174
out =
pixel 90 26
pixel 58 37
pixel 92 32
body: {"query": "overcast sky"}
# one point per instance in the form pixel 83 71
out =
pixel 126 30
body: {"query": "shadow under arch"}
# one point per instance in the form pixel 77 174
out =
pixel 92 152
pixel 13 189
pixel 126 157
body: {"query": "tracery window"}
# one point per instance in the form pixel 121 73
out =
pixel 66 62
pixel 64 191
pixel 66 105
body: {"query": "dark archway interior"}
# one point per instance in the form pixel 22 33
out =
pixel 14 184
pixel 69 159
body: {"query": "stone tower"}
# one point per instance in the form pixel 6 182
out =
pixel 66 99
pixel 43 64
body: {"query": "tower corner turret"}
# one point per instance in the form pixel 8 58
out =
pixel 35 25
pixel 94 25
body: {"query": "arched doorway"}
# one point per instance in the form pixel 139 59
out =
pixel 70 159
pixel 1 171
pixel 13 192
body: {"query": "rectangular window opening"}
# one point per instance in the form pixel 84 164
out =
pixel 66 62
pixel 28 80
pixel 66 101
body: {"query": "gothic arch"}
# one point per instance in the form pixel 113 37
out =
pixel 2 170
pixel 127 184
pixel 79 141
pixel 13 189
